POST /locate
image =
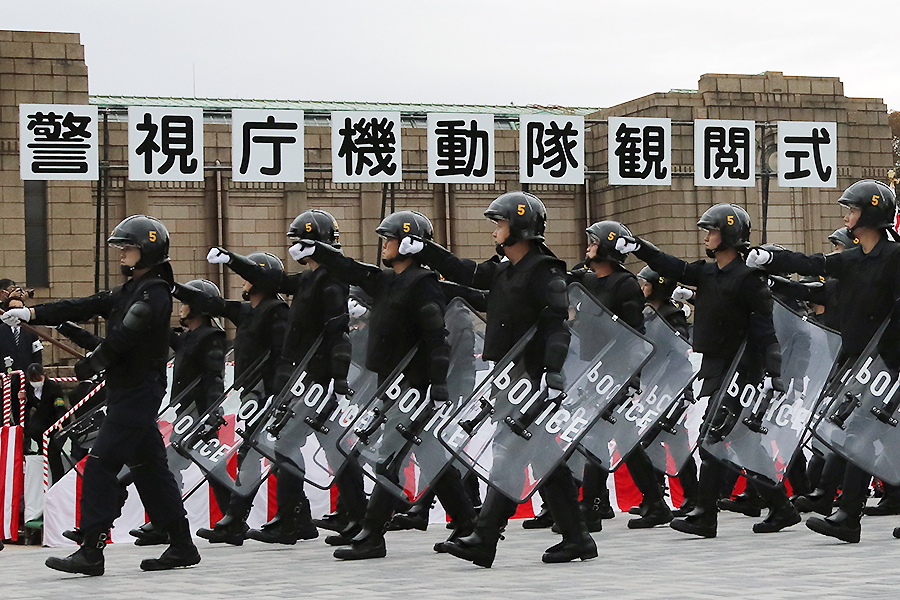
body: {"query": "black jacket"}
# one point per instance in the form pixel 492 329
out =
pixel 41 413
pixel 407 313
pixel 199 353
pixel 731 304
pixel 136 372
pixel 260 329
pixel 530 292
pixel 318 306
pixel 619 292
pixel 867 292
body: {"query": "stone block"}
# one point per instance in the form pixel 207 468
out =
pixel 74 52
pixel 31 36
pixel 17 49
pixel 49 50
pixel 822 86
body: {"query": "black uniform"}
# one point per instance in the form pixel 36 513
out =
pixel 868 290
pixel 407 313
pixel 529 292
pixel 260 330
pixel 318 307
pixel 621 294
pixel 136 351
pixel 732 304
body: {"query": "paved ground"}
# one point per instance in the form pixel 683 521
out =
pixel 660 563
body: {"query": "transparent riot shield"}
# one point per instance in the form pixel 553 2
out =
pixel 664 380
pixel 395 436
pixel 511 435
pixel 673 439
pixel 759 431
pixel 215 441
pixel 302 427
pixel 860 421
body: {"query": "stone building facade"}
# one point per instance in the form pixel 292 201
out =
pixel 37 67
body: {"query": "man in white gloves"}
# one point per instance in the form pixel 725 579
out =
pixel 732 303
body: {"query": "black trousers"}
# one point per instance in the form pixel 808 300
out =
pixel 143 451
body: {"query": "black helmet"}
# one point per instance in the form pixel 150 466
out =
pixel 406 223
pixel 208 288
pixel 146 233
pixel 662 286
pixel 733 224
pixel 526 215
pixel 606 233
pixel 843 237
pixel 273 271
pixel 876 201
pixel 315 225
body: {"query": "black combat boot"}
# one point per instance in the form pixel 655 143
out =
pixel 369 542
pixel 148 535
pixel 841 525
pixel 657 513
pixel 336 521
pixel 746 503
pixel 780 516
pixel 87 560
pixel 231 529
pixel 542 520
pixel 577 541
pixel 290 524
pixel 888 505
pixel 346 535
pixel 76 535
pixel 181 551
pixel 700 522
pixel 415 518
pixel 480 548
pixel 819 501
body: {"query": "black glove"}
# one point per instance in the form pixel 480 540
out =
pixel 84 370
pixel 341 387
pixel 439 393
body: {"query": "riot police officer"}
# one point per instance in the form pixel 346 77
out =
pixel 607 279
pixel 868 289
pixel 198 370
pixel 133 357
pixel 407 312
pixel 318 306
pixel 527 286
pixel 733 302
pixel 261 322
pixel 658 291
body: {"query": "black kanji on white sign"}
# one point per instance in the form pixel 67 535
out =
pixel 807 154
pixel 267 145
pixel 365 146
pixel 58 141
pixel 165 144
pixel 724 153
pixel 460 148
pixel 551 149
pixel 640 151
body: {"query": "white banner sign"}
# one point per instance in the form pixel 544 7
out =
pixel 460 148
pixel 267 145
pixel 807 154
pixel 551 149
pixel 724 153
pixel 365 147
pixel 640 151
pixel 58 141
pixel 165 144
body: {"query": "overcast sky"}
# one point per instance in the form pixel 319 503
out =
pixel 564 52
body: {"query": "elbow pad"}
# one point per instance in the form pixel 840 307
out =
pixel 773 360
pixel 139 317
pixel 557 297
pixel 430 317
pixel 556 350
